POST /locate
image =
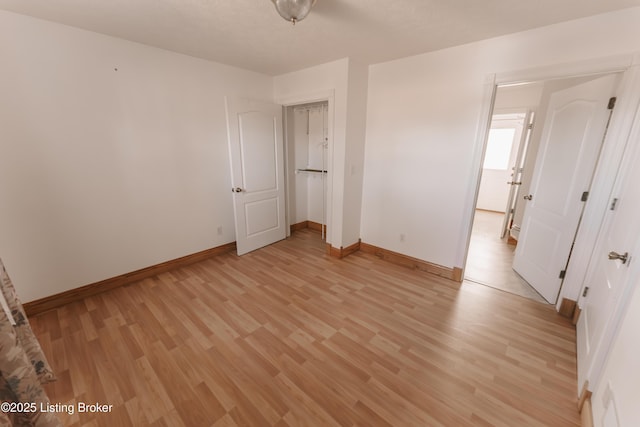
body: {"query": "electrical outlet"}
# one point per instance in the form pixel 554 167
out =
pixel 220 230
pixel 402 236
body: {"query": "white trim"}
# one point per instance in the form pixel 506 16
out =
pixel 606 65
pixel 482 132
pixel 306 98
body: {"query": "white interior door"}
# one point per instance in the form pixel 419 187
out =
pixel 257 172
pixel 608 279
pixel 572 136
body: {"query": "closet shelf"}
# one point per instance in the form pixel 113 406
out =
pixel 311 170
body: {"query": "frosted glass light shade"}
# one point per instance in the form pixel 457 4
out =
pixel 293 10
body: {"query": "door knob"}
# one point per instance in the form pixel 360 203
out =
pixel 616 255
pixel 237 190
pixel 529 197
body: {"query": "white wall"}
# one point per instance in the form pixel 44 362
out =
pixel 515 99
pixel 103 172
pixel 354 151
pixel 422 117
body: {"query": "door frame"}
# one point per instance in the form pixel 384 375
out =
pixel 323 96
pixel 614 319
pixel 604 176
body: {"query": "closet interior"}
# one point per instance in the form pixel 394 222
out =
pixel 307 142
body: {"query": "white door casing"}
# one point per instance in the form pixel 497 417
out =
pixel 570 146
pixel 609 281
pixel 257 172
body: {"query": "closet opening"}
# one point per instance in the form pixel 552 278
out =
pixel 307 141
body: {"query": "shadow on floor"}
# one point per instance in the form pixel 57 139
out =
pixel 490 258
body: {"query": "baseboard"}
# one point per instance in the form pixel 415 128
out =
pixel 576 315
pixel 57 300
pixel 567 308
pixel 343 252
pixel 584 406
pixel 414 263
pixel 586 415
pixel 316 226
pixel 311 225
pixel 299 226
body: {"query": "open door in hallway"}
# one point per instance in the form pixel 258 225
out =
pixel 573 133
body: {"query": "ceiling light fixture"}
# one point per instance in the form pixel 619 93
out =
pixel 293 10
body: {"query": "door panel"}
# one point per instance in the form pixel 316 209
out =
pixel 609 280
pixel 257 171
pixel 569 144
pixel 262 216
pixel 569 149
pixel 258 150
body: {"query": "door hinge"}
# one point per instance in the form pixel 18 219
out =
pixel 612 103
pixel 562 274
pixel 614 202
pixel 530 126
pixel 585 196
pixel 586 291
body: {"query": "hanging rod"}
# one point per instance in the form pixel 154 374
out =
pixel 311 170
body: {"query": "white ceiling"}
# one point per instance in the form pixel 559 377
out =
pixel 250 34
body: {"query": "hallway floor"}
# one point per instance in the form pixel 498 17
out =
pixel 490 258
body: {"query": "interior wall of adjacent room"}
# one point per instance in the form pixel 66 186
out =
pixel 422 118
pixel 519 99
pixel 114 154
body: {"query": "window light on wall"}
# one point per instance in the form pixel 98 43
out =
pixel 499 147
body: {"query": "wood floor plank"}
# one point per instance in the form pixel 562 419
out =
pixel 287 336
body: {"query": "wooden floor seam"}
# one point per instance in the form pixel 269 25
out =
pixel 288 336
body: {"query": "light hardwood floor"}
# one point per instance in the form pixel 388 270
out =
pixel 490 258
pixel 287 336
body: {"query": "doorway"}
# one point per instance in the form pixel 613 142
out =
pixel 559 160
pixel 307 143
pixel 492 246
